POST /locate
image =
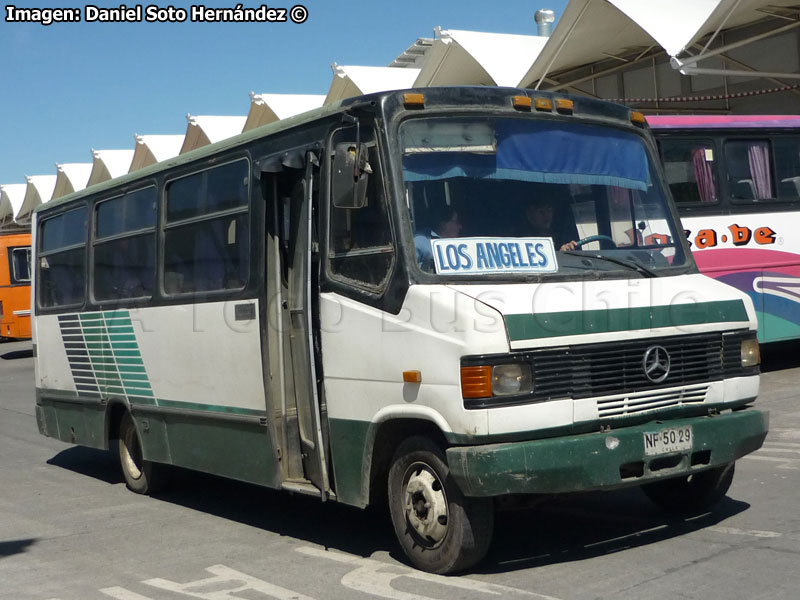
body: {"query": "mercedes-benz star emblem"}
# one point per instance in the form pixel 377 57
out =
pixel 656 363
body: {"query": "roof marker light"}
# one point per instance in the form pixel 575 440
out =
pixel 565 106
pixel 413 100
pixel 637 118
pixel 543 104
pixel 522 102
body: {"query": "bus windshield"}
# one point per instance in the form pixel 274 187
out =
pixel 526 196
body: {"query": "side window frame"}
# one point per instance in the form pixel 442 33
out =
pixel 363 289
pixel 14 279
pixel 719 184
pixel 42 255
pixel 96 241
pixel 166 227
pixel 755 201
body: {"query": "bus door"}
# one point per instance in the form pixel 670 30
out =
pixel 296 195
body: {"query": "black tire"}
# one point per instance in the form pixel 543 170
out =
pixel 141 476
pixel 439 529
pixel 697 491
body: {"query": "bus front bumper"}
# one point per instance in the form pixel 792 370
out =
pixel 603 460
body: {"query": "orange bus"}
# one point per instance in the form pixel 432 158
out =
pixel 15 285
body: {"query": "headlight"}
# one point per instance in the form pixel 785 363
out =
pixel 487 381
pixel 511 379
pixel 751 355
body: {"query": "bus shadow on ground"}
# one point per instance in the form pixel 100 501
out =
pixel 12 547
pixel 777 356
pixel 17 354
pixel 97 464
pixel 579 527
pixel 557 530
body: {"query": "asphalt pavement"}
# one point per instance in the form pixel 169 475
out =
pixel 70 530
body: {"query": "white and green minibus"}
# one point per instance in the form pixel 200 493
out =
pixel 431 299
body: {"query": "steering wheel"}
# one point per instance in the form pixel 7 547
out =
pixel 595 238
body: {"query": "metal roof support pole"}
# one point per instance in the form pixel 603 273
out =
pixel 680 63
pixel 608 71
pixel 721 25
pixel 563 43
pixel 753 71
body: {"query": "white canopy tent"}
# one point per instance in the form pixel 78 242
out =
pixel 627 32
pixel 71 177
pixel 268 108
pixel 475 58
pixel 107 164
pixel 39 189
pixel 11 197
pixel 353 80
pixel 208 129
pixel 151 149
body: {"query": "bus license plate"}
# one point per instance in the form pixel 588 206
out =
pixel 667 441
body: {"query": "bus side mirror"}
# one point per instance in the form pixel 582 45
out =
pixel 350 175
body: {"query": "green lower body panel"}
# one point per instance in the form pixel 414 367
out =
pixel 75 423
pixel 221 442
pixel 603 460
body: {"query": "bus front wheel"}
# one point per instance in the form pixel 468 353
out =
pixel 141 476
pixel 439 529
pixel 697 491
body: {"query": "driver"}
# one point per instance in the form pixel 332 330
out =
pixel 539 222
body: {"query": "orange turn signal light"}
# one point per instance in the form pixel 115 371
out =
pixel 476 382
pixel 412 376
pixel 413 100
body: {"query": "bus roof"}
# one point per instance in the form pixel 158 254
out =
pixel 210 149
pixel 723 121
pixel 442 96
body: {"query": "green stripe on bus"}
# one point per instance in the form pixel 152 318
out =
pixel 133 377
pixel 545 325
pixel 124 345
pixel 117 337
pixel 110 314
pixel 129 361
pixel 134 400
pixel 117 322
pixel 231 410
pixel 91 317
pixel 136 392
pixel 115 330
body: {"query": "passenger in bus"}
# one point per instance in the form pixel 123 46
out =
pixel 445 223
pixel 543 219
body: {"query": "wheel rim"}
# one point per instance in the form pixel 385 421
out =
pixel 131 453
pixel 425 505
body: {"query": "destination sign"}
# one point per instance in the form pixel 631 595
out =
pixel 468 256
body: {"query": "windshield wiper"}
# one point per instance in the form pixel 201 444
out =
pixel 617 261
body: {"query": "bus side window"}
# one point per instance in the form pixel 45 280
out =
pixel 689 169
pixel 787 167
pixel 20 265
pixel 206 238
pixel 62 269
pixel 361 249
pixel 124 249
pixel 749 168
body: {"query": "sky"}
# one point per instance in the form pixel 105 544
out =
pixel 68 88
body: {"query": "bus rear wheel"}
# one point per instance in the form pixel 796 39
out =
pixel 439 529
pixel 141 476
pixel 697 491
